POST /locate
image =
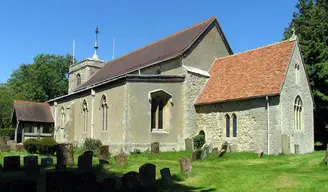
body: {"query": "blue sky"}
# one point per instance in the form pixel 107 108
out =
pixel 39 26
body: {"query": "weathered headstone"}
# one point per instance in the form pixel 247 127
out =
pixel 196 155
pixel 205 150
pixel 31 161
pixel 11 163
pixel 189 143
pixel 185 165
pixel 64 153
pixel 85 182
pixel 222 152
pixel 47 161
pixel 166 175
pixel 260 154
pixel 147 174
pixel 121 159
pixel 131 180
pixel 225 146
pixel 154 147
pixel 23 185
pixel 85 161
pixel 215 150
pixel 59 181
pixel 103 152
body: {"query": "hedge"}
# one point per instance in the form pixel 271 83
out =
pixel 45 146
pixel 31 145
pixel 199 141
pixel 10 132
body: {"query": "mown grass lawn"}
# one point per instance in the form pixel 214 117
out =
pixel 236 171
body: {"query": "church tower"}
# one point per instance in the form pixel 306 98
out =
pixel 81 71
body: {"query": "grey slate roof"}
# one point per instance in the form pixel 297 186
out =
pixel 166 48
pixel 33 112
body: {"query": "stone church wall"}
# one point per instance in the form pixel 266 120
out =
pixel 251 124
pixel 139 134
pixel 291 89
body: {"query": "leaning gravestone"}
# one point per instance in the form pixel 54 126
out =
pixel 47 161
pixel 64 153
pixel 59 181
pixel 131 180
pixel 260 154
pixel 154 147
pixel 23 185
pixel 196 155
pixel 185 165
pixel 222 152
pixel 166 175
pixel 225 146
pixel 147 174
pixel 121 159
pixel 103 152
pixel 11 163
pixel 85 161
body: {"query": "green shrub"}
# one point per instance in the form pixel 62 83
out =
pixel 9 132
pixel 31 145
pixel 199 141
pixel 178 177
pixel 47 146
pixel 92 144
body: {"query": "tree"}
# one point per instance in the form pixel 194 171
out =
pixel 6 105
pixel 311 27
pixel 44 79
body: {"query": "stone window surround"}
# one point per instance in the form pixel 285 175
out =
pixel 231 117
pixel 169 99
pixel 104 105
pixel 298 114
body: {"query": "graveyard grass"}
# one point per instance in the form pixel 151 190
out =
pixel 233 172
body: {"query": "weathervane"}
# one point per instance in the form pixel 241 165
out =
pixel 95 56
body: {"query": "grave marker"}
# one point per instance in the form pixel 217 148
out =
pixel 185 165
pixel 154 147
pixel 147 174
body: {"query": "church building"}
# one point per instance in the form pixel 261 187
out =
pixel 189 83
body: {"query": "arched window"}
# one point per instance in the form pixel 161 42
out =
pixel 234 125
pixel 104 111
pixel 227 125
pixel 298 107
pixel 85 115
pixel 78 79
pixel 62 117
pixel 159 100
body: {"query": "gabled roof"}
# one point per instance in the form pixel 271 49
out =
pixel 255 73
pixel 33 112
pixel 161 50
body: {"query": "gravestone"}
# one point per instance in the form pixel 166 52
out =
pixel 103 152
pixel 222 152
pixel 166 175
pixel 64 153
pixel 59 181
pixel 47 161
pixel 260 154
pixel 154 147
pixel 85 182
pixel 147 174
pixel 196 155
pixel 31 161
pixel 131 180
pixel 11 163
pixel 20 185
pixel 215 150
pixel 121 159
pixel 85 161
pixel 225 146
pixel 205 150
pixel 189 142
pixel 185 165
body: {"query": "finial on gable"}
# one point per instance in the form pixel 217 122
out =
pixel 95 56
pixel 294 36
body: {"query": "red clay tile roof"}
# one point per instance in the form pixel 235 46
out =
pixel 254 73
pixel 166 48
pixel 33 111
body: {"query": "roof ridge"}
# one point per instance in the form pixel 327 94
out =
pixel 251 50
pixel 31 102
pixel 164 38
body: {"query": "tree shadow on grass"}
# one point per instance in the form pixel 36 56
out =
pixel 105 180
